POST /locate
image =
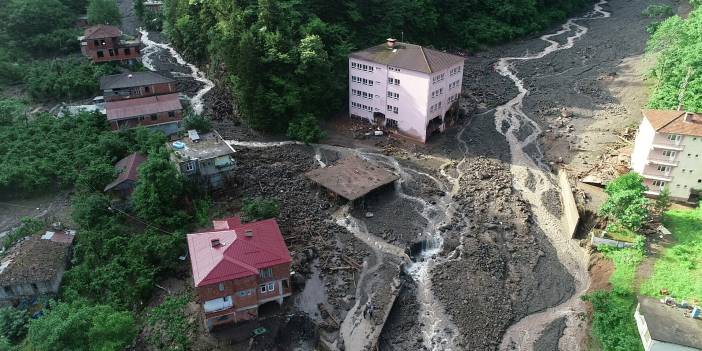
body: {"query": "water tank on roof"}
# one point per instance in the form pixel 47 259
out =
pixel 178 145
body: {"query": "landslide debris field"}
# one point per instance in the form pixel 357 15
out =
pixel 465 245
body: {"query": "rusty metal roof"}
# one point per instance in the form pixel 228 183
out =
pixel 352 177
pixel 130 108
pixel 101 31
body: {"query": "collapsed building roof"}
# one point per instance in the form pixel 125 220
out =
pixel 352 177
pixel 37 258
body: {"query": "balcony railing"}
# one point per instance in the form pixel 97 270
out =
pixel 657 176
pixel 666 161
pixel 667 145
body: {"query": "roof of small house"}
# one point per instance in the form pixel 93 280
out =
pixel 352 177
pixel 208 145
pixel 37 258
pixel 409 56
pixel 243 250
pixel 129 108
pixel 129 80
pixel 128 169
pixel 670 324
pixel 674 122
pixel 101 31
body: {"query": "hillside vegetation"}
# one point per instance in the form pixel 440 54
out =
pixel 287 58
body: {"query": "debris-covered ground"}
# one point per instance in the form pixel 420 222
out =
pixel 465 233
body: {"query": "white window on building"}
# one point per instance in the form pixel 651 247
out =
pixel 665 169
pixel 395 69
pixel 674 137
pixel 393 95
pixel 393 109
pixel 393 81
pixel 244 293
pixel 391 123
pixel 189 166
pixel 437 78
pixel 658 183
pixel 218 304
pixel 265 273
pixel 266 288
pixel 455 71
pixel 454 84
pixel 669 153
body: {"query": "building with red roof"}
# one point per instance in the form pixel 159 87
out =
pixel 127 168
pixel 238 267
pixel 104 43
pixel 163 112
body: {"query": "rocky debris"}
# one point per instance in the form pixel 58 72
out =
pixel 403 328
pixel 305 217
pixel 548 341
pixel 552 201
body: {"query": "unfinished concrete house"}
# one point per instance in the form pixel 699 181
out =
pixel 204 158
pixel 35 266
pixel 238 267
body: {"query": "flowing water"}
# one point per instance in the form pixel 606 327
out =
pixel 153 47
pixel 523 334
pixel 438 330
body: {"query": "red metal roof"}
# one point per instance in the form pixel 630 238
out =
pixel 238 255
pixel 130 108
pixel 127 168
pixel 101 31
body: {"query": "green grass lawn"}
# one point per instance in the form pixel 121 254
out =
pixel 625 263
pixel 679 269
pixel 620 233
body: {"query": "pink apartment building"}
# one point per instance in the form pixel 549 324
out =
pixel 668 152
pixel 405 88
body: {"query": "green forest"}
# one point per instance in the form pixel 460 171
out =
pixel 286 59
pixel 676 45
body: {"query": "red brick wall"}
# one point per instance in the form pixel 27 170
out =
pixel 232 287
pixel 155 89
pixel 91 50
pixel 147 121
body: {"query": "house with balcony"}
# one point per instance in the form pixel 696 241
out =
pixel 405 88
pixel 668 153
pixel 135 85
pixel 104 43
pixel 206 159
pixel 238 267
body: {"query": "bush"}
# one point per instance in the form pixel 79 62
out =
pixel 169 324
pixel 306 129
pixel 28 226
pixel 71 78
pixel 259 208
pixel 613 320
pixel 200 123
pixel 13 323
pixel 104 12
pixel 626 203
pixel 658 11
pixel 81 327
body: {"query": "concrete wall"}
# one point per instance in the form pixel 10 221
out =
pixel 688 174
pixel 642 146
pixel 32 288
pixel 147 121
pixel 91 47
pixel 139 92
pixel 571 216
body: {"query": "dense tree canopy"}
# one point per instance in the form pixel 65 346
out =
pixel 287 58
pixel 104 12
pixel 677 45
pixel 626 203
pixel 40 26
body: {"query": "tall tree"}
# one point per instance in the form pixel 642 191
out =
pixel 104 12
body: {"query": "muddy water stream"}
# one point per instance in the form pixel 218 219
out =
pixel 523 334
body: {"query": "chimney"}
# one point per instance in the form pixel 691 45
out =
pixel 248 233
pixel 215 243
pixel 391 42
pixel 688 117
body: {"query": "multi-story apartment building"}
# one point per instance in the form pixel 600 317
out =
pixel 157 112
pixel 135 85
pixel 668 153
pixel 103 43
pixel 405 88
pixel 239 267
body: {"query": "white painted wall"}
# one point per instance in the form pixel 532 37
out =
pixel 688 174
pixel 415 95
pixel 642 146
